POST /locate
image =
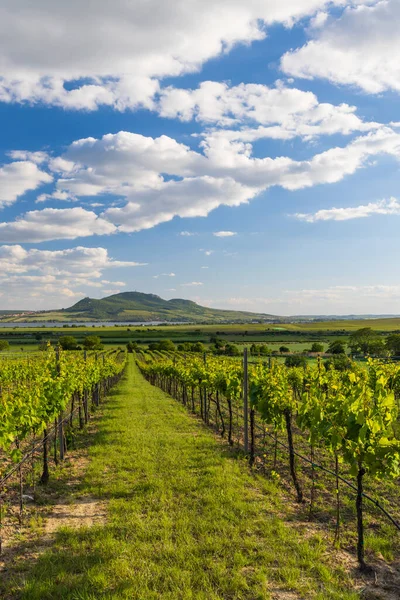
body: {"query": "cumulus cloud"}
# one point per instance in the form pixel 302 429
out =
pixel 78 261
pixel 224 234
pixel 25 155
pixel 133 166
pixel 358 48
pixel 157 179
pixel 56 195
pixel 114 55
pixel 53 224
pixel 191 284
pixel 382 207
pixel 151 207
pixel 16 178
pixel 280 112
pixel 48 277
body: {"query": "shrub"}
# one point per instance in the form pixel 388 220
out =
pixel 68 342
pixel 297 360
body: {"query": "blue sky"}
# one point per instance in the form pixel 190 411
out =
pixel 244 156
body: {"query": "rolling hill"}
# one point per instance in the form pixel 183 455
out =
pixel 136 306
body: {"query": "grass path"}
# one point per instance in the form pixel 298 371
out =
pixel 185 519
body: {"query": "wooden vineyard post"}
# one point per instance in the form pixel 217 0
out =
pixel 252 437
pixel 360 524
pixel 205 410
pixel 45 473
pixel 245 402
pixel 61 436
pixel 60 427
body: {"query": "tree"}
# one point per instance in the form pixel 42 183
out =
pixel 264 350
pixel 336 347
pixel 198 347
pixel 4 345
pixel 284 349
pixel 360 340
pixel 232 350
pixel 68 342
pixel 297 360
pixel 166 345
pixel 377 347
pixel 393 344
pixel 317 347
pixel 216 341
pixel 339 362
pixel 92 342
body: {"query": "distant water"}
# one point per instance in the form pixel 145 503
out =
pixel 92 324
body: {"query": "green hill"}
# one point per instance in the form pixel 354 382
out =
pixel 135 306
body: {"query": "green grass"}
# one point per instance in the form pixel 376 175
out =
pixel 186 519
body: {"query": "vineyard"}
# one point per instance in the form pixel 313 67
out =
pixel 336 435
pixel 44 399
pixel 325 442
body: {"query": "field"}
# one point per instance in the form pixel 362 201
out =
pixel 183 518
pixel 19 337
pixel 171 507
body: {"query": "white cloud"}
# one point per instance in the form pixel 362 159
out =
pixel 53 224
pixel 360 48
pixel 57 195
pixel 203 267
pixel 279 112
pixel 382 207
pixel 113 53
pixel 191 197
pixel 25 155
pixel 116 283
pixel 110 292
pixel 192 284
pixel 224 234
pixel 187 233
pixel 76 262
pixel 39 279
pixel 132 168
pixel 16 178
pixel 207 252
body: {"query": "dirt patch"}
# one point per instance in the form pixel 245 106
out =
pixel 283 595
pixel 84 512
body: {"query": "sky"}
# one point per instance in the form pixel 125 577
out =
pixel 243 155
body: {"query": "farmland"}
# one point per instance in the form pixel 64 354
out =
pixel 185 518
pixel 301 333
pixel 276 515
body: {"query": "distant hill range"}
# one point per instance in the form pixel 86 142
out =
pixel 138 307
pixel 135 306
